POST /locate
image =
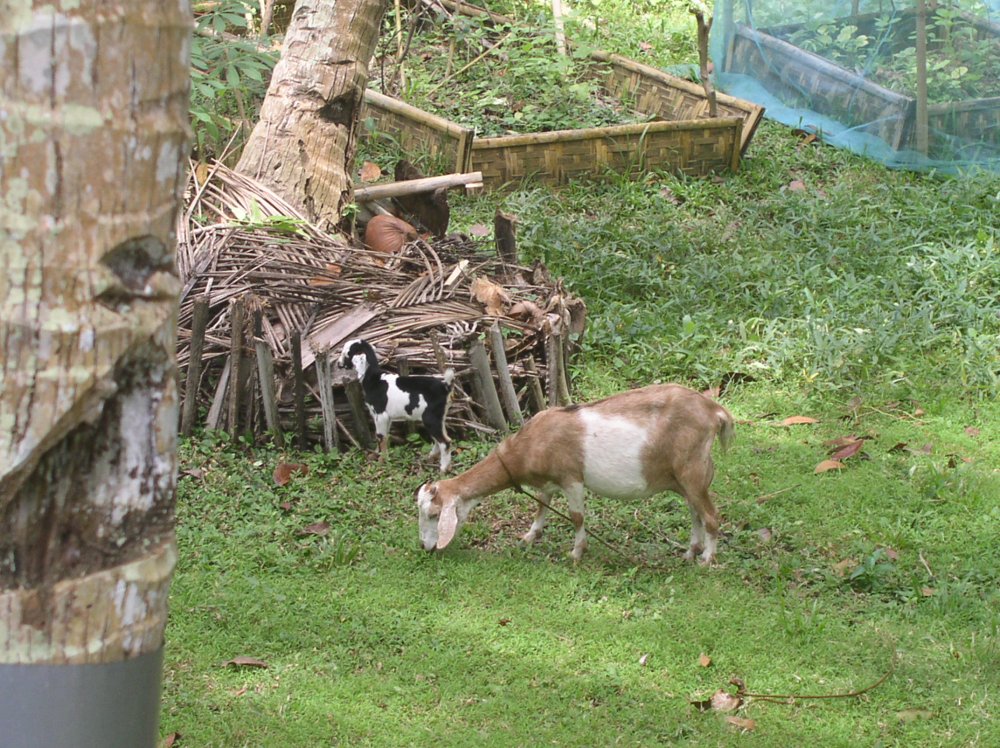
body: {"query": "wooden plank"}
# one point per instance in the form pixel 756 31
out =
pixel 214 419
pixel 324 381
pixel 199 321
pixel 359 411
pixel 236 311
pixel 486 390
pixel 265 375
pixel 302 437
pixel 333 334
pixel 415 186
pixel 507 391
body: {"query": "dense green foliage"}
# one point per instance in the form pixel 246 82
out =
pixel 814 283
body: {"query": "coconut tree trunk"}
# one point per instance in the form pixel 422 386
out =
pixel 304 143
pixel 93 143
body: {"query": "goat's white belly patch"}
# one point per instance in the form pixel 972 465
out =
pixel 612 456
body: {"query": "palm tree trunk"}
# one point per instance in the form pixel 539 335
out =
pixel 94 140
pixel 303 146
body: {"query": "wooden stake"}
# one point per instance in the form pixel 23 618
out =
pixel 552 389
pixel 359 411
pixel 214 419
pixel 300 392
pixel 704 29
pixel 922 123
pixel 503 235
pixel 199 321
pixel 562 381
pixel 324 381
pixel 487 391
pixel 535 391
pixel 557 15
pixel 265 374
pixel 236 310
pixel 507 391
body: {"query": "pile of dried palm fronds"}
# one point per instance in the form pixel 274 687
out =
pixel 245 254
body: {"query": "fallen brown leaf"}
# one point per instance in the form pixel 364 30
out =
pixel 286 506
pixel 370 172
pixel 490 295
pixel 741 723
pixel 317 528
pixel 171 740
pixel 828 465
pixel 643 659
pixel 244 661
pixel 840 442
pixel 479 229
pixel 285 470
pixel 796 185
pixel 704 660
pixel 196 473
pixel 898 447
pixel 503 621
pixel 928 591
pixel 972 431
pixel 848 451
pixel 912 715
pixel 892 554
pixel 798 420
pixel 765 534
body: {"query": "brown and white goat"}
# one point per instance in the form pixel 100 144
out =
pixel 628 446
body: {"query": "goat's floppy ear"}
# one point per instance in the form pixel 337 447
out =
pixel 447 524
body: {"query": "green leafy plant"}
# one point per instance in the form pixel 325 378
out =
pixel 229 73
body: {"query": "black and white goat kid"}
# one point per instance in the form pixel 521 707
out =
pixel 391 397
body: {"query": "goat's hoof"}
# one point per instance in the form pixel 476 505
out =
pixel 692 552
pixel 706 560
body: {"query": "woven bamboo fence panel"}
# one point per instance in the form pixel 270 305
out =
pixel 800 78
pixel 696 148
pixel 685 143
pixel 420 132
pixel 671 98
pixel 975 119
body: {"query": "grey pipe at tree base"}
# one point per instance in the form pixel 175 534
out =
pixel 109 705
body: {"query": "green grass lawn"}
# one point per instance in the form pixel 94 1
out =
pixel 817 284
pixel 369 640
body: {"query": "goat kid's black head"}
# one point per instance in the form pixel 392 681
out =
pixel 358 354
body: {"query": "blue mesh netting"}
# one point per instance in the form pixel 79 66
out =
pixel 848 70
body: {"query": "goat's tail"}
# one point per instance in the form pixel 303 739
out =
pixel 726 433
pixel 449 376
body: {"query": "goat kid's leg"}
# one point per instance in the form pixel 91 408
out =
pixel 574 496
pixel 445 451
pixel 382 434
pixel 539 523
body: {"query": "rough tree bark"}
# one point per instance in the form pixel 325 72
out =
pixel 304 143
pixel 93 145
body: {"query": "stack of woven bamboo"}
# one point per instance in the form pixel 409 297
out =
pixel 268 301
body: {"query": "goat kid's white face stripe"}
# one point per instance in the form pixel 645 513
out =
pixel 360 364
pixel 612 456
